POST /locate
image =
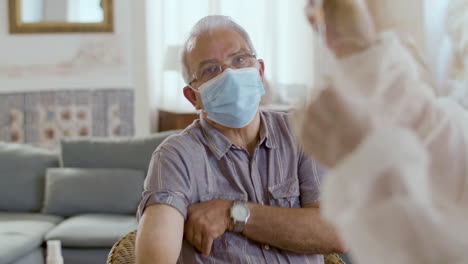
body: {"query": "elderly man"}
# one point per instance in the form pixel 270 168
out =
pixel 233 187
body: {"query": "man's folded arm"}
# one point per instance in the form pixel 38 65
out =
pixel 159 236
pixel 301 230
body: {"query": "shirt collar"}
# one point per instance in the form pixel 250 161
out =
pixel 266 134
pixel 220 144
pixel 216 141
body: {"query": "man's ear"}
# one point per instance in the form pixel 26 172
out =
pixel 262 68
pixel 191 96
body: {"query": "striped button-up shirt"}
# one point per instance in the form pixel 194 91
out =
pixel 201 164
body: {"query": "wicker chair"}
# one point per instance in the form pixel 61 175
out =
pixel 123 252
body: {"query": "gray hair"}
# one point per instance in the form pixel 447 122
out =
pixel 210 24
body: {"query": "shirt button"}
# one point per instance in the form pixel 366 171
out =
pixel 267 247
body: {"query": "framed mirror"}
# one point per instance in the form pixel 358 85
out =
pixel 55 16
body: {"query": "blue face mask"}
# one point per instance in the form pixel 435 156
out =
pixel 232 98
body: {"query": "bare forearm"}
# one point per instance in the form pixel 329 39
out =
pixel 300 230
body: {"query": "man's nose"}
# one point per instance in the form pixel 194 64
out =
pixel 224 66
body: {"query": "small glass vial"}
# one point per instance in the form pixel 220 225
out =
pixel 54 252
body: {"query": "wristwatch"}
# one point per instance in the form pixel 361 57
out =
pixel 240 214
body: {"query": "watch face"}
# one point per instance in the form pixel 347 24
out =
pixel 239 212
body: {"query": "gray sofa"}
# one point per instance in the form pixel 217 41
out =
pixel 86 196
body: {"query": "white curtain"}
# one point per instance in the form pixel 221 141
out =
pixel 278 28
pixel 437 40
pixel 447 41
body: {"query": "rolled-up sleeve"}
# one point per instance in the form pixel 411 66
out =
pixel 167 182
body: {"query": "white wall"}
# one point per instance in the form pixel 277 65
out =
pixel 31 62
pixel 37 62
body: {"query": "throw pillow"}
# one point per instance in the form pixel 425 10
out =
pixel 72 191
pixel 22 174
pixel 124 152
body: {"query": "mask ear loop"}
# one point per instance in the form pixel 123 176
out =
pixel 199 111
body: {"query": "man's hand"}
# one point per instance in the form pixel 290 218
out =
pixel 207 221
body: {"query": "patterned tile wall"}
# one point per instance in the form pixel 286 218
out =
pixel 42 118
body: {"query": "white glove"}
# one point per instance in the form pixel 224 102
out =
pixel 348 24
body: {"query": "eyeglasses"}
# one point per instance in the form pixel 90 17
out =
pixel 210 70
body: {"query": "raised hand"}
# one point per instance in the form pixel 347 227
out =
pixel 348 24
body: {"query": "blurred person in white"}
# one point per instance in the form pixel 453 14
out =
pixel 397 189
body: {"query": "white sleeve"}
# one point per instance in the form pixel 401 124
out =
pixel 401 196
pixel 380 199
pixel 390 78
pixel 459 92
pixel 391 82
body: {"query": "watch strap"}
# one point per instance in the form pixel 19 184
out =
pixel 239 225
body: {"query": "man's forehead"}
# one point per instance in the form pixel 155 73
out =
pixel 215 45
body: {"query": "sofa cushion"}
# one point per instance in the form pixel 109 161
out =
pixel 72 191
pixel 131 153
pixel 20 233
pixel 92 230
pixel 35 256
pixel 22 171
